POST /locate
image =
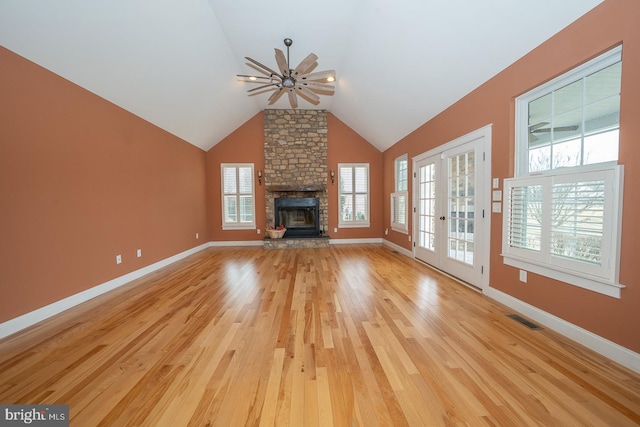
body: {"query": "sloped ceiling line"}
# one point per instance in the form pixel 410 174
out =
pixel 174 63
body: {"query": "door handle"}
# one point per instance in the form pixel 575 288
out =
pixel 442 218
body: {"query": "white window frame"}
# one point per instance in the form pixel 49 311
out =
pixel 400 197
pixel 522 102
pixel 237 225
pixel 353 223
pixel 604 278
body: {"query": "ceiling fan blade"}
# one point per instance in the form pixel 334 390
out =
pixel 262 87
pixel 282 62
pixel 276 95
pixel 260 70
pixel 322 91
pixel 246 78
pixel 307 94
pixel 318 86
pixel 319 75
pixel 305 66
pixel 263 91
pixel 275 73
pixel 293 99
pixel 309 69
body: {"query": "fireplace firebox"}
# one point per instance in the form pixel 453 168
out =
pixel 299 215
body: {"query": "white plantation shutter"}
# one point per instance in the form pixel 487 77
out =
pixel 577 220
pixel 524 210
pixel 353 199
pixel 399 201
pixel 238 207
pixel 566 221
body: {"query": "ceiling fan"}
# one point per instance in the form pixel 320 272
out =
pixel 294 81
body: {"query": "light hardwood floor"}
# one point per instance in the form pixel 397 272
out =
pixel 349 335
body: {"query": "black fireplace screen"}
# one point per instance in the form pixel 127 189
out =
pixel 299 215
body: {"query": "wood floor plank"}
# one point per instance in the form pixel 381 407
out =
pixel 351 335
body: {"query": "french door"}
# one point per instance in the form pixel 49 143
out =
pixel 450 228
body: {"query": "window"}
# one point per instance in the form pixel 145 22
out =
pixel 353 187
pixel 572 120
pixel 562 211
pixel 400 197
pixel 238 208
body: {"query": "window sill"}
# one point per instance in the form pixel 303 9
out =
pixel 400 230
pixel 239 227
pixel 609 289
pixel 355 225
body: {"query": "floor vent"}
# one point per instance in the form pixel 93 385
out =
pixel 524 321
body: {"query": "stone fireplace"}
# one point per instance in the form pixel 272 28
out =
pixel 295 154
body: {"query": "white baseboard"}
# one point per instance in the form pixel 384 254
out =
pixel 354 241
pixel 609 349
pixel 16 324
pixel 236 243
pixel 398 248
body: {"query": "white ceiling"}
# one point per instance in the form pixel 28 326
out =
pixel 173 62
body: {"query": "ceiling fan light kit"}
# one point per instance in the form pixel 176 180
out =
pixel 300 81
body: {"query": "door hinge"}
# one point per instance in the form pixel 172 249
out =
pixel 484 156
pixel 414 209
pixel 482 269
pixel 414 244
pixel 414 175
pixel 482 213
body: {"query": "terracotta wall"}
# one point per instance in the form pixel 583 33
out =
pixel 611 23
pixel 344 146
pixel 81 181
pixel 244 145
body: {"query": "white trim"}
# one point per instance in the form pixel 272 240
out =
pixel 483 192
pixel 18 323
pixel 522 102
pixel 602 278
pixel 225 243
pixel 354 223
pixel 354 241
pixel 397 248
pixel 609 349
pixel 237 225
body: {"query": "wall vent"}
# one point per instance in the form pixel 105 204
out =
pixel 524 321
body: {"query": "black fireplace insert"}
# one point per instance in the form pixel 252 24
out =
pixel 299 215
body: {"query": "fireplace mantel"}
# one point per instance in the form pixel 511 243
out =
pixel 295 188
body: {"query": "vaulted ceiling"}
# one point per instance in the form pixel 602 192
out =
pixel 174 62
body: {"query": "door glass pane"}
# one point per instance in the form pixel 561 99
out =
pixel 460 203
pixel 427 203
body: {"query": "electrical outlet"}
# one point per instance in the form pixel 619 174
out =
pixel 118 259
pixel 335 229
pixel 409 237
pixel 523 276
pixel 139 253
pixel 258 230
pixel 386 231
pixel 197 236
